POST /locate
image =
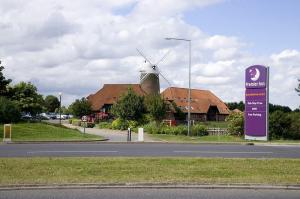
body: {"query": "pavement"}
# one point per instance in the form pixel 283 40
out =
pixel 147 193
pixel 147 150
pixel 110 135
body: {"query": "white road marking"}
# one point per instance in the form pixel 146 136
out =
pixel 224 152
pixel 32 152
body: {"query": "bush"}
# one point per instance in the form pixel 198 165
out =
pixel 119 124
pixel 70 121
pixel 294 132
pixel 104 125
pixel 9 111
pixel 88 124
pixel 199 130
pixel 279 125
pixel 76 122
pixel 235 124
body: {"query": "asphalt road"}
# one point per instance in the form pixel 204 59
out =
pixel 145 149
pixel 151 193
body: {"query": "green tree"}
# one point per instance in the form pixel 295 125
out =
pixel 279 125
pixel 156 107
pixel 51 103
pixel 81 107
pixel 179 114
pixel 25 95
pixel 130 106
pixel 298 89
pixel 294 131
pixel 9 111
pixel 236 123
pixel 3 82
pixel 236 105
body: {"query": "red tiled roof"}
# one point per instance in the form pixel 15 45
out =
pixel 110 93
pixel 201 100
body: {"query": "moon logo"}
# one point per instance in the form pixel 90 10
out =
pixel 254 74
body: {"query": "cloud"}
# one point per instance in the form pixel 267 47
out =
pixel 77 46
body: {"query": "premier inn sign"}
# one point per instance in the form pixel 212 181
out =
pixel 256 102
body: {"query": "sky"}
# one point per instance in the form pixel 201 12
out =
pixel 75 46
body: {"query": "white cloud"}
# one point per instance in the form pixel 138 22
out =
pixel 77 46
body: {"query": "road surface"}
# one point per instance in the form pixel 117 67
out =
pixel 151 193
pixel 147 149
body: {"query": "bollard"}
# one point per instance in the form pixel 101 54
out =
pixel 141 135
pixel 129 135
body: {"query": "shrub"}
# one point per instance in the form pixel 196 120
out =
pixel 9 111
pixel 294 132
pixel 119 124
pixel 199 130
pixel 87 124
pixel 70 121
pixel 132 124
pixel 235 124
pixel 104 125
pixel 76 122
pixel 279 125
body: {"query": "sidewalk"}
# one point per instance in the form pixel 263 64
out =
pixel 111 135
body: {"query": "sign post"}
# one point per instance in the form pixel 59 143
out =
pixel 84 119
pixel 7 133
pixel 256 125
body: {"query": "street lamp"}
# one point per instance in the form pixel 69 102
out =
pixel 60 93
pixel 189 93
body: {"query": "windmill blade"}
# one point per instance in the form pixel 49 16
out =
pixel 159 71
pixel 163 57
pixel 144 56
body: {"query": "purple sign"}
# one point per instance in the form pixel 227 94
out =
pixel 256 103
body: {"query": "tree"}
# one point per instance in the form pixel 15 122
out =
pixel 235 124
pixel 51 103
pixel 9 111
pixel 236 105
pixel 298 89
pixel 81 107
pixel 279 125
pixel 25 95
pixel 130 106
pixel 3 82
pixel 274 107
pixel 156 107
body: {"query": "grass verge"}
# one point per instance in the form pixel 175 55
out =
pixel 46 132
pixel 148 170
pixel 213 139
pixel 196 139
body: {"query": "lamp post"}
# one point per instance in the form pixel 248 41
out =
pixel 60 107
pixel 189 91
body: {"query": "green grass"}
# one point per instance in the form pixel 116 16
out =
pixel 46 132
pixel 196 139
pixel 148 170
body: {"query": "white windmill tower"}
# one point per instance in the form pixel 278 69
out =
pixel 149 79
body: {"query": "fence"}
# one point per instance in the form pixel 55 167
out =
pixel 217 131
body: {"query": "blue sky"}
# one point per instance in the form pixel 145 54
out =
pixel 267 25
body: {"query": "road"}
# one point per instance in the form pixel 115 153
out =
pixel 151 193
pixel 147 149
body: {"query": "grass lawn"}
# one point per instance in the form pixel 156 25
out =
pixel 213 138
pixel 148 170
pixel 196 139
pixel 45 132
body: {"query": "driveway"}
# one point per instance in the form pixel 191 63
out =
pixel 111 135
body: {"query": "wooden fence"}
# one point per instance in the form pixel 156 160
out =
pixel 217 131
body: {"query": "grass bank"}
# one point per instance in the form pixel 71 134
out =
pixel 148 170
pixel 196 139
pixel 46 132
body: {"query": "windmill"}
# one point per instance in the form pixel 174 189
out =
pixel 149 79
